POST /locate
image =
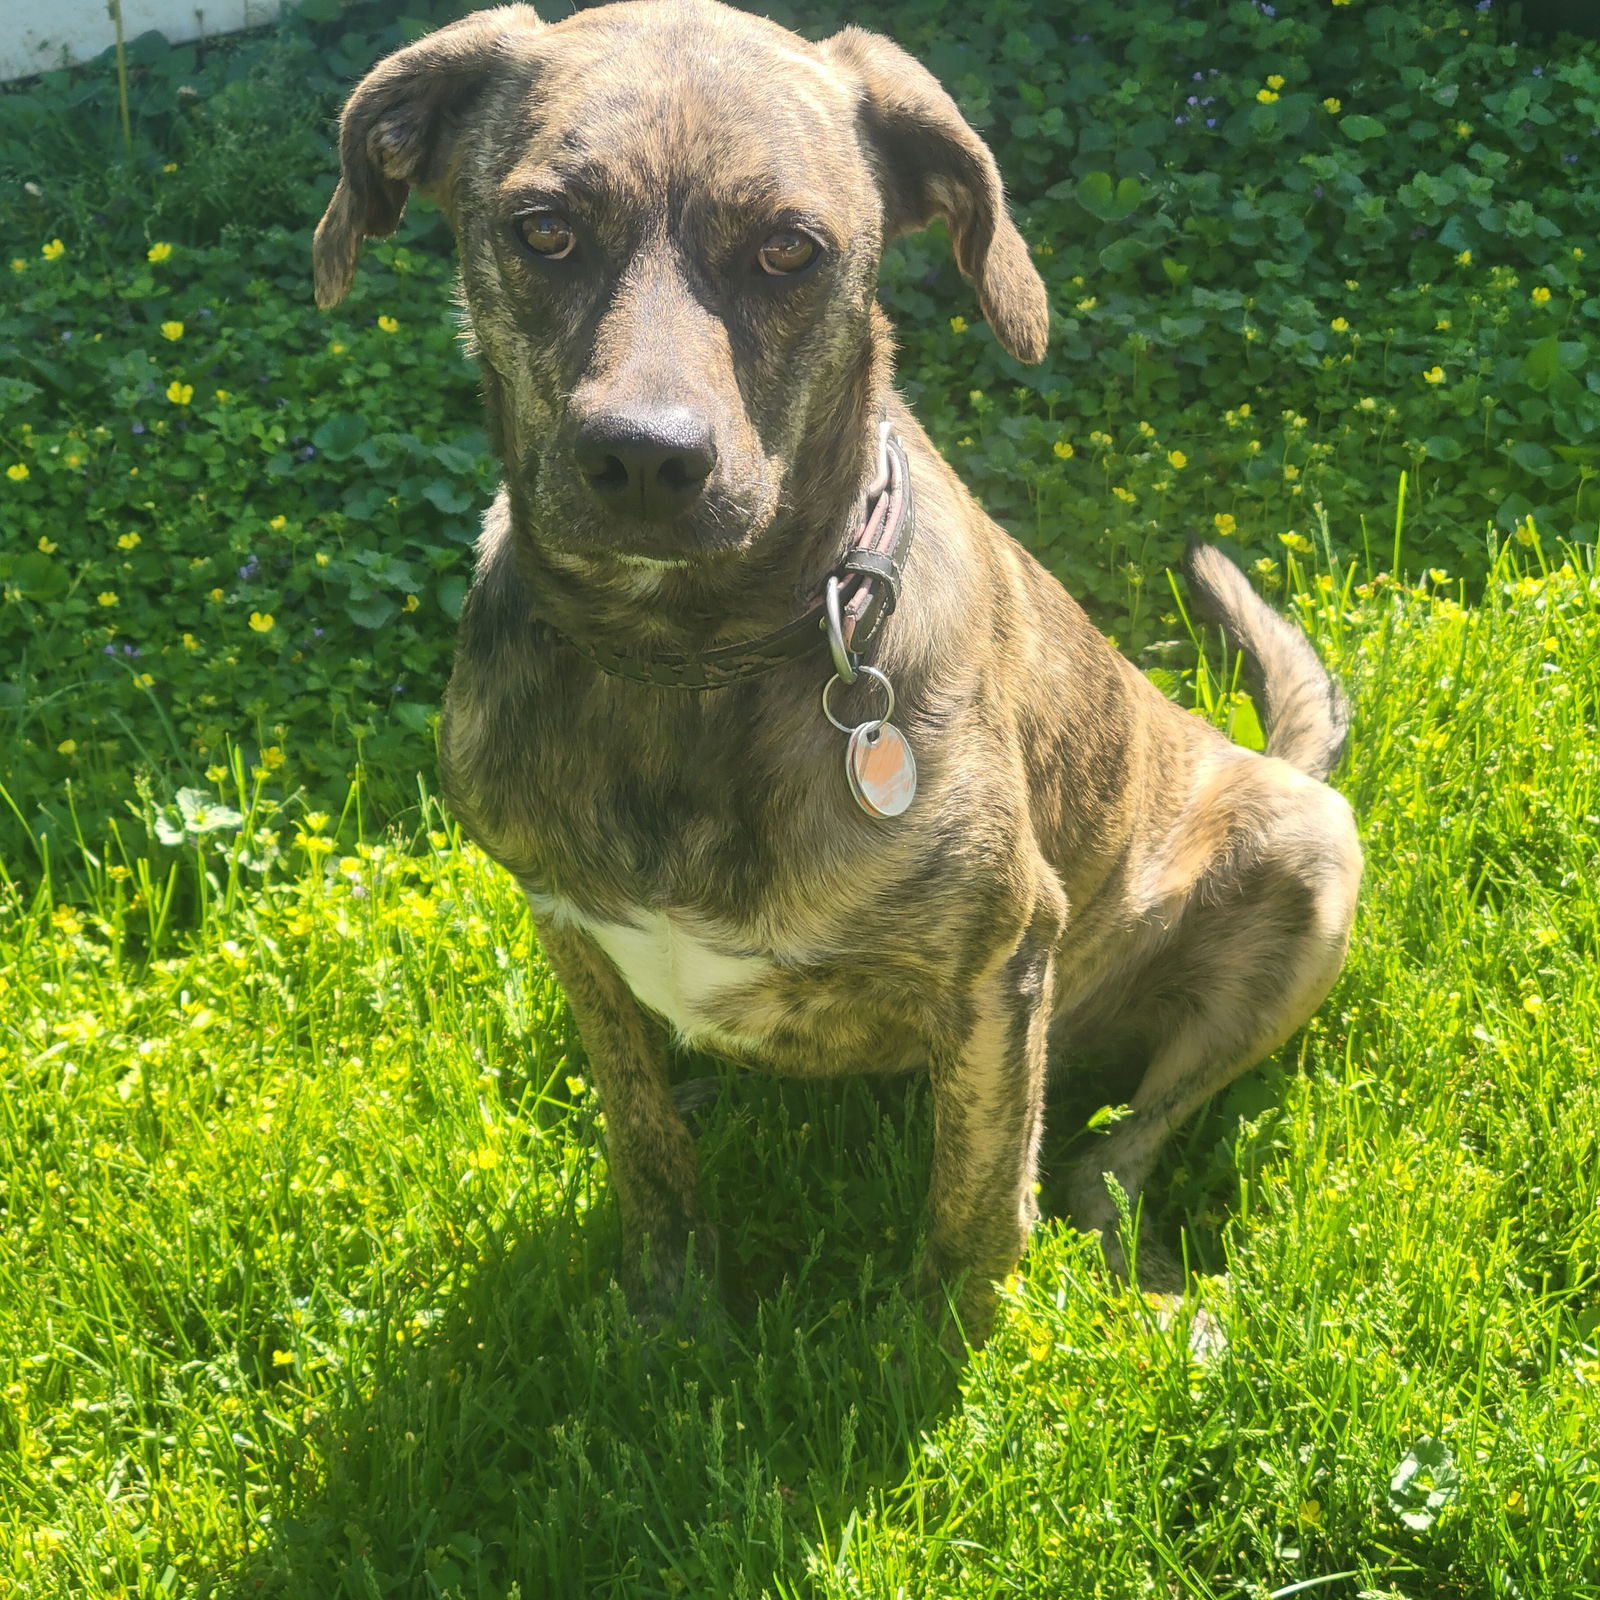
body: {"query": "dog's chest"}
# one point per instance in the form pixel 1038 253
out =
pixel 697 978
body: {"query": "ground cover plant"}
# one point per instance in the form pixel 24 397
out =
pixel 1291 252
pixel 305 1262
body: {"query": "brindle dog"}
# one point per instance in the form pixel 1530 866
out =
pixel 670 218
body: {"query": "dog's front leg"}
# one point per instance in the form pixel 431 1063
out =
pixel 988 1101
pixel 648 1146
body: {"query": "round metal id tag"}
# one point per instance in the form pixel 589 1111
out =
pixel 881 769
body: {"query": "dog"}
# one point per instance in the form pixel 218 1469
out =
pixel 797 756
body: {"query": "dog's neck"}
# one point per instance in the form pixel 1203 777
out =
pixel 637 605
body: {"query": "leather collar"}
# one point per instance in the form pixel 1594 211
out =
pixel 869 584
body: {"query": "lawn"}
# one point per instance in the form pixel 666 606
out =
pixel 307 1246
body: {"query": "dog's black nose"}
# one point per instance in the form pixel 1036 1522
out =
pixel 648 464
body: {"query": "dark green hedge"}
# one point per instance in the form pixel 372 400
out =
pixel 1291 255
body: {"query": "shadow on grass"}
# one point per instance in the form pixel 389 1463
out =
pixel 535 1441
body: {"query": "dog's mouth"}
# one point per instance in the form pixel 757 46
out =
pixel 717 520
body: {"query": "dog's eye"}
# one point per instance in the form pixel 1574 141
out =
pixel 788 252
pixel 547 234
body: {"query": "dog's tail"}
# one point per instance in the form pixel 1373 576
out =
pixel 1305 713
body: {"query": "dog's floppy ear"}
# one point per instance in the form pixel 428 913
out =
pixel 394 135
pixel 931 164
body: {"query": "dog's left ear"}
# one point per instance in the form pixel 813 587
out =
pixel 931 164
pixel 396 130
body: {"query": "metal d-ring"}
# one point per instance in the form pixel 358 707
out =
pixel 871 722
pixel 844 664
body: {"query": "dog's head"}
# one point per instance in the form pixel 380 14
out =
pixel 671 216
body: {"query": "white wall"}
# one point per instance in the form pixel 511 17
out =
pixel 36 35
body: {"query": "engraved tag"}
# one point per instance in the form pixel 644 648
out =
pixel 881 769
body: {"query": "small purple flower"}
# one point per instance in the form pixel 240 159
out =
pixel 1266 10
pixel 1211 122
pixel 250 568
pixel 318 633
pixel 1419 233
pixel 1193 100
pixel 1538 72
pixel 309 451
pixel 139 427
pixel 358 891
pixel 1199 77
pixel 110 650
pixel 1178 122
pixel 66 334
pixel 1316 191
pixel 1569 156
pixel 131 653
pixel 1483 5
pixel 1210 100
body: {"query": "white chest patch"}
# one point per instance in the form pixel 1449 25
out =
pixel 675 969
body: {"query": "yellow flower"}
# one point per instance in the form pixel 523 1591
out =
pixel 172 331
pixel 171 166
pixel 128 541
pixel 74 461
pixel 1533 1005
pixel 1366 403
pixel 66 747
pixel 1266 96
pixel 283 1358
pixel 1178 459
pixel 388 324
pixel 190 642
pixel 1541 296
pixel 216 596
pixel 1225 524
pixel 107 597
pixel 1290 471
pixel 1311 1510
pixel 321 559
pixel 223 397
pixel 1339 325
pixel 1275 81
pixel 272 757
pixel 18 264
pixel 180 394
pixel 1333 105
pixel 335 349
pixel 1442 325
pixel 158 252
pixel 261 621
pixel 47 545
pixel 1463 129
pixel 1296 542
pixel 1127 496
pixel 958 324
pixel 1351 284
pixel 1063 449
pixel 53 251
pixel 144 680
pixel 278 524
pixel 411 603
pixel 1434 375
pixel 18 472
pixel 1464 259
pixel 1577 252
pixel 1088 303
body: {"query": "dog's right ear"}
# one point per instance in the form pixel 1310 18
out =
pixel 395 132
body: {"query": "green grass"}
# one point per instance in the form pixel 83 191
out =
pixel 306 1238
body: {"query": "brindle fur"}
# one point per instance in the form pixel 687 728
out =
pixel 1085 866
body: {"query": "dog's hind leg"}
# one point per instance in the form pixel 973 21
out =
pixel 1247 964
pixel 988 1099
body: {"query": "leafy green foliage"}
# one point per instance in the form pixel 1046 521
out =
pixel 1290 254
